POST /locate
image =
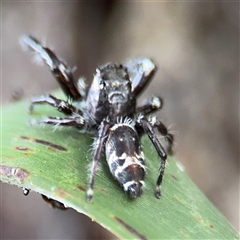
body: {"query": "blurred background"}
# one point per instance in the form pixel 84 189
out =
pixel 196 48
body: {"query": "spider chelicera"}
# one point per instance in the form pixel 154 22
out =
pixel 109 107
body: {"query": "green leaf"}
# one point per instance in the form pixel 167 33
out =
pixel 55 162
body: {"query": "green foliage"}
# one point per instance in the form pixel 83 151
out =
pixel 55 162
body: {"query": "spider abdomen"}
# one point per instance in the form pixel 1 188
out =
pixel 125 158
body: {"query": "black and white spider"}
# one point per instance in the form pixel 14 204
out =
pixel 109 107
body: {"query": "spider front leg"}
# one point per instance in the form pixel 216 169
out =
pixel 61 105
pixel 98 147
pixel 147 127
pixel 141 71
pixel 60 71
pixel 150 106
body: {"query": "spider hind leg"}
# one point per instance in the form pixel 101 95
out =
pixel 148 128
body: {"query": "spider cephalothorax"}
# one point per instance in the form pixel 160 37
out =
pixel 108 108
pixel 110 94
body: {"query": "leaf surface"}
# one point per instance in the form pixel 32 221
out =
pixel 55 162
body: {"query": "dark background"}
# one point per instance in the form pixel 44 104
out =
pixel 196 48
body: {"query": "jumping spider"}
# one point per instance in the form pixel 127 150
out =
pixel 109 108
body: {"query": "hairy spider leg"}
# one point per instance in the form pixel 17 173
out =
pixel 75 121
pixel 98 147
pixel 146 125
pixel 61 105
pixel 141 71
pixel 151 105
pixel 169 138
pixel 60 71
